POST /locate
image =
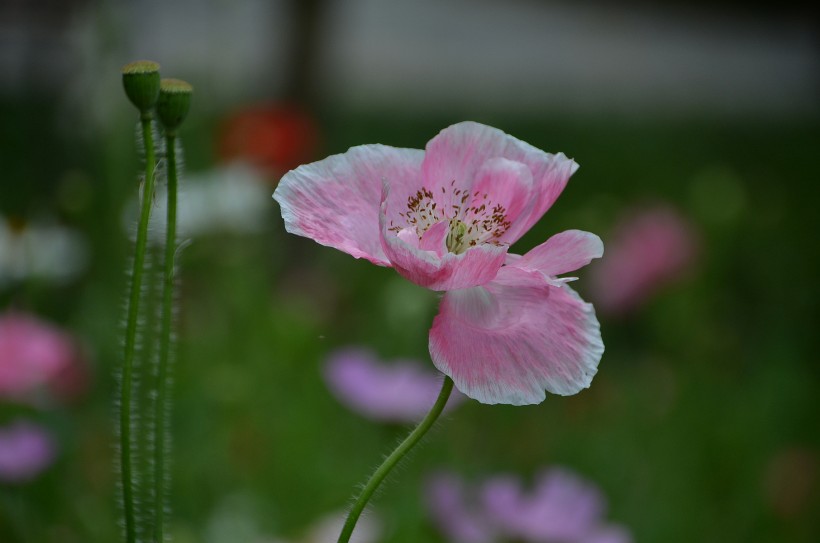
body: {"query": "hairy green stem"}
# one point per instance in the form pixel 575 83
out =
pixel 131 331
pixel 165 340
pixel 394 458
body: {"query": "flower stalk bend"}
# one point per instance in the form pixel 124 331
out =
pixel 390 462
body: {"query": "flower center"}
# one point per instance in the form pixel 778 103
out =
pixel 455 237
pixel 473 218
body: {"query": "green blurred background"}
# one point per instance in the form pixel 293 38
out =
pixel 702 423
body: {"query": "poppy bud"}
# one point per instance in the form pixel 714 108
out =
pixel 141 82
pixel 174 102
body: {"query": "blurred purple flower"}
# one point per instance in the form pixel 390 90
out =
pixel 34 356
pixel 647 250
pixel 402 391
pixel 608 534
pixel 26 449
pixel 459 519
pixel 560 508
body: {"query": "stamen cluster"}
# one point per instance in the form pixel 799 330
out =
pixel 473 219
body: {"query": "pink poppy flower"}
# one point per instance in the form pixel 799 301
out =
pixel 648 250
pixel 25 451
pixel 444 218
pixel 35 356
pixel 402 391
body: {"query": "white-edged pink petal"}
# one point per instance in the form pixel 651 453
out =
pixel 511 259
pixel 335 201
pixel 434 270
pixel 459 151
pixel 477 266
pixel 409 236
pixel 515 337
pixel 501 182
pixel 435 238
pixel 549 181
pixel 562 253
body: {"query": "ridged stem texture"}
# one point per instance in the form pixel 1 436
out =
pixel 166 342
pixel 126 464
pixel 394 458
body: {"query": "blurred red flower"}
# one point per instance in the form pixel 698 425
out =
pixel 273 137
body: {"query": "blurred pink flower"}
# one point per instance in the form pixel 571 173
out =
pixel 26 450
pixel 36 357
pixel 444 218
pixel 648 250
pixel 560 508
pixel 402 391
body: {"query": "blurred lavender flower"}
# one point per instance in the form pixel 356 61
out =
pixel 43 251
pixel 647 250
pixel 561 508
pixel 460 520
pixel 26 450
pixel 608 534
pixel 36 357
pixel 402 391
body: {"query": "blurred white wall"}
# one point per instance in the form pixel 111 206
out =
pixel 546 55
pixel 508 55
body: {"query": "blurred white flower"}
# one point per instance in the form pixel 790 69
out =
pixel 328 528
pixel 238 519
pixel 40 250
pixel 233 198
